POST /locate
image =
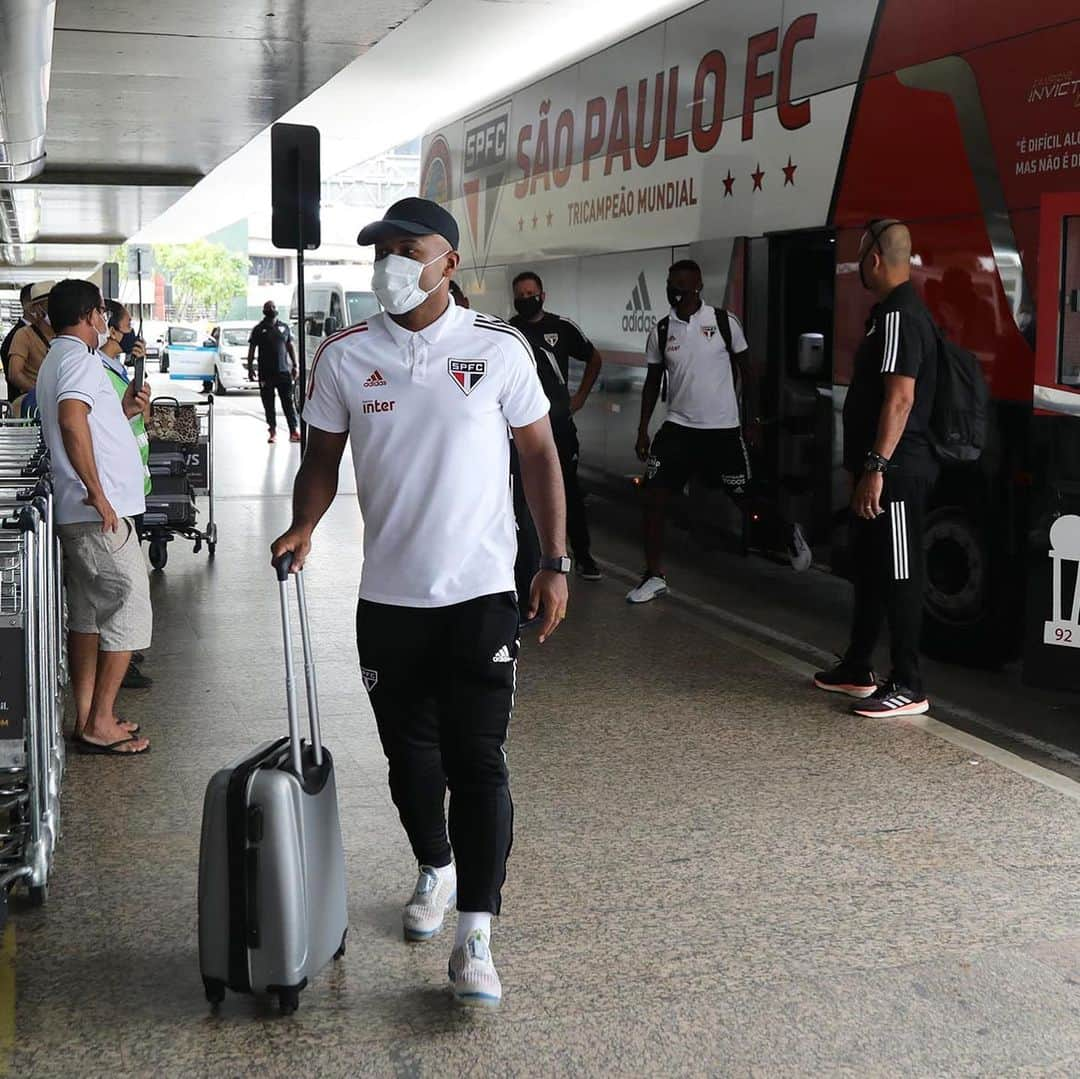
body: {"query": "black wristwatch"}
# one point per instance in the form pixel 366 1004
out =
pixel 557 565
pixel 875 463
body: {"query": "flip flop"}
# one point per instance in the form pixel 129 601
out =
pixel 132 730
pixel 109 750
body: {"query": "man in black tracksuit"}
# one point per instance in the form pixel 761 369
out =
pixel 555 340
pixel 277 369
pixel 888 452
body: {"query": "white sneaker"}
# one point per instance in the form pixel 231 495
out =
pixel 799 550
pixel 434 895
pixel 651 586
pixel 473 977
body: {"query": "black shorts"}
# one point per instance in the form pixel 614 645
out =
pixel 715 456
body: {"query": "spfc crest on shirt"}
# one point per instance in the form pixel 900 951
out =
pixel 371 678
pixel 552 339
pixel 709 331
pixel 467 373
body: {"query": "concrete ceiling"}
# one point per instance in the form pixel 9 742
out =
pixel 149 96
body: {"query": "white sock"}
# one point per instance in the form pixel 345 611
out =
pixel 443 872
pixel 468 922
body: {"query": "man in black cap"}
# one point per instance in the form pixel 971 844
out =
pixel 426 392
pixel 277 369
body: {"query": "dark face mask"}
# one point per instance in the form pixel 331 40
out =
pixel 127 342
pixel 529 306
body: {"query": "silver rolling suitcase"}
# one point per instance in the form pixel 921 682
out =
pixel 272 905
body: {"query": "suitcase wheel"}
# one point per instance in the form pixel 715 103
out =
pixel 288 1000
pixel 340 953
pixel 159 554
pixel 215 990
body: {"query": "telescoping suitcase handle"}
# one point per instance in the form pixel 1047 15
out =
pixel 282 566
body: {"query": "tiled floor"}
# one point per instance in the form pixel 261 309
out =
pixel 715 871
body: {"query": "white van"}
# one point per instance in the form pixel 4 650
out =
pixel 334 297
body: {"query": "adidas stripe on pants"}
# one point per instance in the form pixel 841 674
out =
pixel 888 572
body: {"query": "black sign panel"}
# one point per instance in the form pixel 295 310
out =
pixel 12 682
pixel 295 182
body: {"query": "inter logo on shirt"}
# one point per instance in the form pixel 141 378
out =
pixel 376 379
pixel 467 373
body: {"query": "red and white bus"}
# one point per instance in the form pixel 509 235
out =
pixel 758 137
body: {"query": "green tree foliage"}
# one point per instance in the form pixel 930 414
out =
pixel 204 276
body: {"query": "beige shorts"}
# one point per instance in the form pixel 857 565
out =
pixel 108 591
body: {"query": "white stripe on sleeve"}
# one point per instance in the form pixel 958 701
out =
pixel 892 342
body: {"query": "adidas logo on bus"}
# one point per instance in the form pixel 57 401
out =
pixel 640 318
pixel 375 380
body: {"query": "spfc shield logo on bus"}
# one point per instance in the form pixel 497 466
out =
pixel 484 170
pixel 467 374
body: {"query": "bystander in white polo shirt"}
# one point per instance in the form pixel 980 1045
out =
pixel 73 372
pixel 701 389
pixel 427 415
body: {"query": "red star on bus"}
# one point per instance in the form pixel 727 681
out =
pixel 729 184
pixel 789 172
pixel 758 177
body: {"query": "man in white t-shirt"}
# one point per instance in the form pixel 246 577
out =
pixel 701 351
pixel 425 393
pixel 97 476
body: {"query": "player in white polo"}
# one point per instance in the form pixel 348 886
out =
pixel 699 349
pixel 426 392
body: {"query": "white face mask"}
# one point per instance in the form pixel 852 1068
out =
pixel 396 282
pixel 102 338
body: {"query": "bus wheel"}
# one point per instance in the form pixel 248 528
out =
pixel 964 604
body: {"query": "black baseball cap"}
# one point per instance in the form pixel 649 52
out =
pixel 421 217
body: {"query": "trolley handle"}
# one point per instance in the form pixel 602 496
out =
pixel 282 567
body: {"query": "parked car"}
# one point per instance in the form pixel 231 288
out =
pixel 230 372
pixel 334 297
pixel 178 335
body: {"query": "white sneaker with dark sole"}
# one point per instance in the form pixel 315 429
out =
pixel 651 588
pixel 434 895
pixel 472 973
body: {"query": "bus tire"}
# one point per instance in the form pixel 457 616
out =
pixel 965 619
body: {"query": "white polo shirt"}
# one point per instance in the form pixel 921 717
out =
pixel 73 372
pixel 701 389
pixel 427 415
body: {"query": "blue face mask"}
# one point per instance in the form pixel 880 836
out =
pixel 127 342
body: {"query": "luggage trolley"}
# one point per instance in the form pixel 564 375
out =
pixel 31 640
pixel 181 468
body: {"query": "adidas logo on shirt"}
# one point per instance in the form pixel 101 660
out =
pixel 503 655
pixel 375 380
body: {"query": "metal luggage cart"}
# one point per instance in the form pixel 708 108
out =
pixel 198 470
pixel 31 754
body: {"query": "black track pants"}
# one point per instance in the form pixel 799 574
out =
pixel 441 682
pixel 283 387
pixel 577 523
pixel 888 571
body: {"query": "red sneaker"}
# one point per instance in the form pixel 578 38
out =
pixel 294 436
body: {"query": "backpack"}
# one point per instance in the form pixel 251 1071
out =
pixel 723 322
pixel 960 415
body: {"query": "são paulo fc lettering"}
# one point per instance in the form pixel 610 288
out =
pixel 467 373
